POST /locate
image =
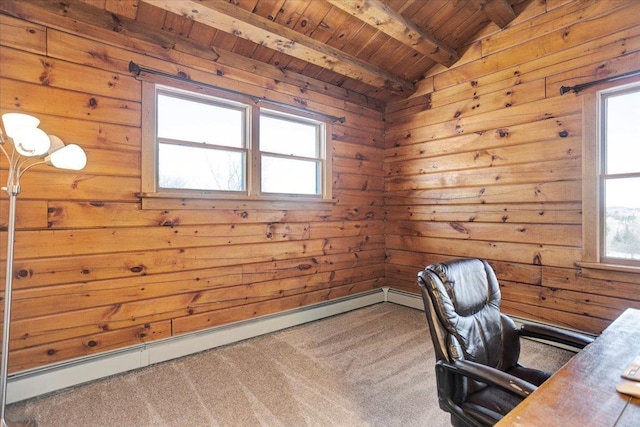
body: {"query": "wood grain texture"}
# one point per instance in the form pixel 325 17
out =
pixel 487 160
pixel 97 269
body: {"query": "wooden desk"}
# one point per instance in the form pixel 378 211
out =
pixel 583 392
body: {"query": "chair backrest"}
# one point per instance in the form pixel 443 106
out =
pixel 462 303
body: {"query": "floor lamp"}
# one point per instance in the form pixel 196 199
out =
pixel 31 147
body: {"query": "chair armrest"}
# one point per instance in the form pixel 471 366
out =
pixel 491 376
pixel 562 336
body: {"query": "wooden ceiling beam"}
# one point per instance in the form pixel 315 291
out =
pixel 499 11
pixel 101 25
pixel 393 24
pixel 241 23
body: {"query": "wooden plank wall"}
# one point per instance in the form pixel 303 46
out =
pixel 95 272
pixel 485 161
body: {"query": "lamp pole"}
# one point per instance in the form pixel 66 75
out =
pixel 31 147
pixel 12 190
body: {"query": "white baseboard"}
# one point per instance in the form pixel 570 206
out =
pixel 47 379
pixel 39 381
pixel 407 299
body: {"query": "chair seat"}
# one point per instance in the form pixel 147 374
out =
pixel 492 403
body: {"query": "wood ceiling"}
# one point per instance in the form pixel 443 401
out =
pixel 374 48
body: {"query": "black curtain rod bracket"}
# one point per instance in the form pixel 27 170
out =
pixel 578 88
pixel 136 69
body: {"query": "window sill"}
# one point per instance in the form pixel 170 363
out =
pixel 608 267
pixel 168 200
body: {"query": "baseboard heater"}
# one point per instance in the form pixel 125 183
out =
pixel 40 381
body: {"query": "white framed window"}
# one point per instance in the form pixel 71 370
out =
pixel 291 154
pixel 210 144
pixel 202 143
pixel 611 178
pixel 619 177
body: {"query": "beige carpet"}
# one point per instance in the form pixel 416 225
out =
pixel 369 367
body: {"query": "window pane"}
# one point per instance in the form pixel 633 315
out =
pixel 623 133
pixel 289 176
pixel 622 216
pixel 200 168
pixel 193 121
pixel 282 136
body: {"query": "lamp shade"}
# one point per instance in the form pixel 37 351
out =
pixel 68 157
pixel 15 122
pixel 56 143
pixel 31 141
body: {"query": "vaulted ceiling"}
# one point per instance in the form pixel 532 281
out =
pixel 376 48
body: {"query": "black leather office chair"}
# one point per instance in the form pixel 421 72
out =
pixel 477 348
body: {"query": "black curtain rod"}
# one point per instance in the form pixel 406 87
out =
pixel 135 68
pixel 578 88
